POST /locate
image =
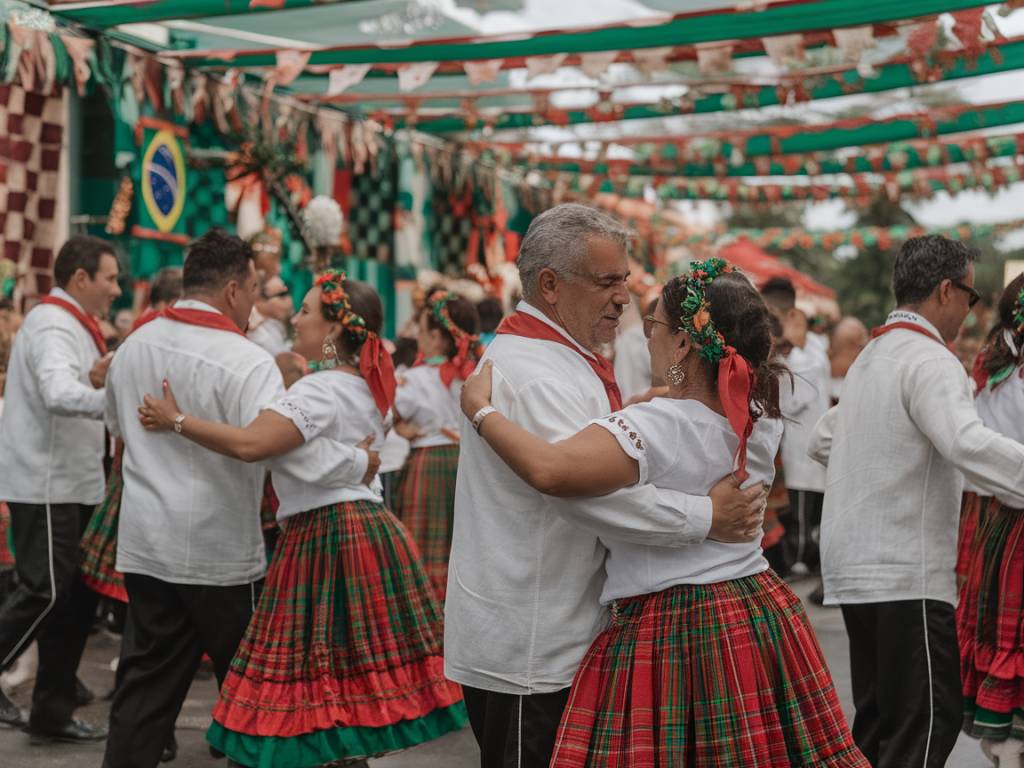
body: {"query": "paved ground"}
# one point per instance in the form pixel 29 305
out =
pixel 454 751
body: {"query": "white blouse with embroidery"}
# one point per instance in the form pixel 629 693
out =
pixel 683 445
pixel 331 405
pixel 423 400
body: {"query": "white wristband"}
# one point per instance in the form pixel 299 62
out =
pixel 482 414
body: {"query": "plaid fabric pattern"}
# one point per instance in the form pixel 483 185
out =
pixel 972 508
pixel 424 501
pixel 371 222
pixel 990 620
pixel 99 542
pixel 726 674
pixel 347 632
pixel 31 130
pixel 6 556
pixel 450 227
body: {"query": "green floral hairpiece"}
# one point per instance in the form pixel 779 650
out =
pixel 333 296
pixel 1018 312
pixel 696 317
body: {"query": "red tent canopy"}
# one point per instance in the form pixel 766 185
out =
pixel 761 266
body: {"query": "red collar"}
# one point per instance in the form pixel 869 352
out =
pixel 202 318
pixel 530 327
pixel 88 322
pixel 906 326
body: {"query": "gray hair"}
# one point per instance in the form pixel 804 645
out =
pixel 924 262
pixel 558 239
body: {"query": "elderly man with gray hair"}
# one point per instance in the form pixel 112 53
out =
pixel 526 569
pixel 898 447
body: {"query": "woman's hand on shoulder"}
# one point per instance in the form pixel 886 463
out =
pixel 476 392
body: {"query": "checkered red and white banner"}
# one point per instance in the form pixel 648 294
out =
pixel 31 131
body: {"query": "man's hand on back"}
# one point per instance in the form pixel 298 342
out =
pixel 737 514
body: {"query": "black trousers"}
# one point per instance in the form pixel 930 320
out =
pixel 905 664
pixel 515 731
pixel 169 628
pixel 50 604
pixel 802 521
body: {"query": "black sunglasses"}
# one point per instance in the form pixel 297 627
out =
pixel 973 296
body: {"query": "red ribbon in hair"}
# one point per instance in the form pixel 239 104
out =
pixel 735 383
pixel 462 365
pixel 528 326
pixel 378 372
pixel 88 322
pixel 980 373
pixel 202 318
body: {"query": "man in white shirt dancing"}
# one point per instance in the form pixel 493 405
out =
pixel 898 446
pixel 51 473
pixel 189 539
pixel 526 570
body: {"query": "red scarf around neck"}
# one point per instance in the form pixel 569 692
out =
pixel 906 326
pixel 203 318
pixel 88 322
pixel 528 326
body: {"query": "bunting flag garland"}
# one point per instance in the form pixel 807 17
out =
pixel 788 238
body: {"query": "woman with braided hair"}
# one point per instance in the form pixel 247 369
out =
pixel 709 659
pixel 342 658
pixel 427 401
pixel 990 613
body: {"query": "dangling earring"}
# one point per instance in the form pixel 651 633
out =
pixel 329 354
pixel 675 375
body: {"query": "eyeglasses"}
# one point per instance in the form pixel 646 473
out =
pixel 973 297
pixel 650 320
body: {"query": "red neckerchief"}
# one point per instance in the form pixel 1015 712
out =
pixel 735 383
pixel 378 372
pixel 528 326
pixel 461 366
pixel 904 325
pixel 979 373
pixel 202 318
pixel 89 323
pixel 147 316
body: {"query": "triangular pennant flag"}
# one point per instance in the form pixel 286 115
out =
pixel 341 79
pixel 854 41
pixel 412 76
pixel 79 49
pixel 595 64
pixel 289 66
pixel 784 50
pixel 714 58
pixel 480 72
pixel 543 65
pixel 651 60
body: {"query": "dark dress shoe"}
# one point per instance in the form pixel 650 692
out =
pixel 75 732
pixel 83 694
pixel 170 750
pixel 11 714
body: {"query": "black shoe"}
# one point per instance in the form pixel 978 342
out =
pixel 83 694
pixel 215 753
pixel 170 750
pixel 11 714
pixel 75 732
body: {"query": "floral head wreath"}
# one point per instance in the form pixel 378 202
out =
pixel 696 317
pixel 335 300
pixel 438 303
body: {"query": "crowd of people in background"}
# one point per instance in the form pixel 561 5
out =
pixel 569 521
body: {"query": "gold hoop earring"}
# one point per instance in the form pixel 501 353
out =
pixel 329 354
pixel 675 375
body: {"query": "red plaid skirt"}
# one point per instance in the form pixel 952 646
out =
pixel 6 556
pixel 425 503
pixel 726 674
pixel 99 542
pixel 346 640
pixel 990 626
pixel 973 509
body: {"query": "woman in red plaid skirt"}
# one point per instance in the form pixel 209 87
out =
pixel 427 401
pixel 342 658
pixel 709 659
pixel 990 614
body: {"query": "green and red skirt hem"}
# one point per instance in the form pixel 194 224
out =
pixel 982 723
pixel 99 542
pixel 325 746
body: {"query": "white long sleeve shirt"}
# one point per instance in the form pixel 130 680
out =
pixel 526 570
pixel 51 434
pixel 803 400
pixel 189 515
pixel 898 447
